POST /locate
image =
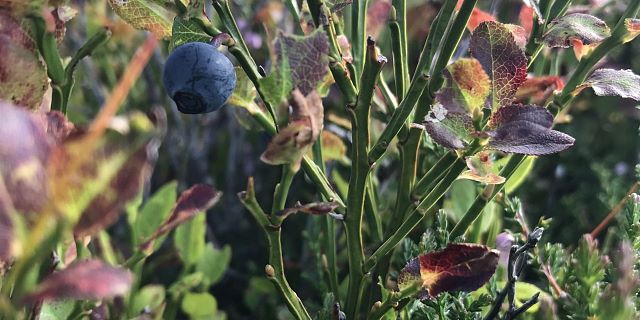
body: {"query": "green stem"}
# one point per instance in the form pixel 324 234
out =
pixel 358 39
pixel 393 299
pixel 275 268
pixel 360 114
pixel 282 189
pixel 400 69
pixel 425 208
pixel 424 185
pixel 482 200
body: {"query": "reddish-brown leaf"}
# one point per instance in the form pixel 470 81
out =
pixel 526 18
pixel 459 267
pixel 197 199
pixel 494 45
pixel 84 280
pixel 377 16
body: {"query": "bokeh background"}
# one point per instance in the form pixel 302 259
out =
pixel 575 188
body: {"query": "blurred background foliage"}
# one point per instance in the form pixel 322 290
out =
pixel 575 188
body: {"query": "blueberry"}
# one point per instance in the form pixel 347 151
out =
pixel 198 78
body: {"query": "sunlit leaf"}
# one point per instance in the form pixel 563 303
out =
pixel 199 305
pixel 520 35
pixel 294 141
pixel 185 30
pixel 611 82
pixel 144 15
pixel 194 200
pixel 307 56
pixel 154 212
pixel 539 89
pixel 575 26
pixel 472 83
pixel 189 239
pixel 23 77
pixel 84 280
pixel 459 267
pixel 518 177
pixel 527 130
pixel 110 175
pixel 494 45
pixel 449 129
pixel 278 83
pixel 633 29
pixel 482 169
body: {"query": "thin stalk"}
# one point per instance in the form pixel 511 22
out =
pixel 282 189
pixel 327 228
pixel 224 12
pixel 392 301
pixel 371 212
pixel 275 269
pixel 48 49
pixel 425 208
pixel 435 173
pixel 360 116
pixel 482 200
pixel 358 39
pixel 400 69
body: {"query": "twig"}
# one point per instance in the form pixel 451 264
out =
pixel 518 256
pixel 614 211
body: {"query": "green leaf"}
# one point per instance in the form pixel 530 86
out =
pixel 185 284
pixel 57 309
pixel 154 212
pixel 520 175
pixel 189 239
pixel 144 15
pixel 470 83
pixel 562 32
pixel 611 82
pixel 199 305
pixel 482 169
pixel 278 84
pixel 493 44
pixel 186 30
pixel 449 129
pixel 151 300
pixel 23 77
pixel 213 263
pixel 463 192
pixel 245 93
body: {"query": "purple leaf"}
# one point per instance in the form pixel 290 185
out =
pixel 527 130
pixel 84 280
pixel 611 82
pixel 308 58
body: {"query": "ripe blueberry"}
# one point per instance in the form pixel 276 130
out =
pixel 198 78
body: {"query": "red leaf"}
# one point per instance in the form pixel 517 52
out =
pixel 194 200
pixel 539 89
pixel 526 18
pixel 494 45
pixel 459 267
pixel 84 280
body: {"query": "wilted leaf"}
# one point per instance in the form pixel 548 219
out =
pixel 293 142
pixel 307 56
pixel 575 26
pixel 24 154
pixel 314 208
pixel 144 15
pixel 494 46
pixel 481 169
pixel 449 129
pixel 23 78
pixel 84 280
pixel 470 82
pixel 539 89
pixel 527 130
pixel 197 199
pixel 185 30
pixel 633 29
pixel 459 267
pixel 611 82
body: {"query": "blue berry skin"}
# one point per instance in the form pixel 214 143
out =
pixel 198 78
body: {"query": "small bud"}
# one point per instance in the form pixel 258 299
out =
pixel 376 306
pixel 269 271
